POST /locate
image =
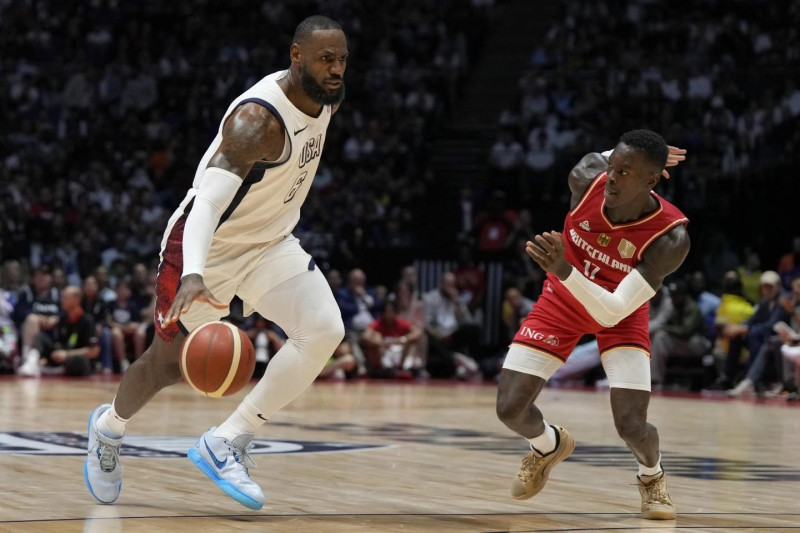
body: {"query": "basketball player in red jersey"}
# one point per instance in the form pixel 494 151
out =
pixel 620 241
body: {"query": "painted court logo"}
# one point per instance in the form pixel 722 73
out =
pixel 70 443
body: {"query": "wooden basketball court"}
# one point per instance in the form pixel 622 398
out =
pixel 396 457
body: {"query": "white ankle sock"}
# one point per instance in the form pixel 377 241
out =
pixel 243 420
pixel 546 442
pixel 650 470
pixel 111 424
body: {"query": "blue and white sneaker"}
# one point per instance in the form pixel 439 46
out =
pixel 227 464
pixel 102 471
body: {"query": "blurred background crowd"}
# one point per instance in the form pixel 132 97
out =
pixel 109 105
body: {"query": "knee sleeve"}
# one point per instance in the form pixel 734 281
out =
pixel 325 333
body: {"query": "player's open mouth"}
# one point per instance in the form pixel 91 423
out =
pixel 610 193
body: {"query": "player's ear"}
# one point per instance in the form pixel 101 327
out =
pixel 294 53
pixel 653 179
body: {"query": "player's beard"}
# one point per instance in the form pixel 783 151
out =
pixel 317 92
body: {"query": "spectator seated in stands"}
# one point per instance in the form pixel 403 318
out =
pixel 392 344
pixel 708 302
pixel 124 318
pixel 70 347
pixel 789 264
pixel 37 310
pixel 358 303
pixel 734 308
pixel 471 283
pixel 683 334
pixel 97 309
pixel 750 274
pixel 408 299
pixel 770 355
pixel 453 336
pixel 790 351
pixel 756 334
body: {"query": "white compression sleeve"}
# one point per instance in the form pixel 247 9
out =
pixel 217 189
pixel 609 308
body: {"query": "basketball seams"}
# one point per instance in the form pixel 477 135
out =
pixel 234 364
pixel 207 360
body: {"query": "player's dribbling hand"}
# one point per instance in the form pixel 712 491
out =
pixel 192 288
pixel 675 156
pixel 548 252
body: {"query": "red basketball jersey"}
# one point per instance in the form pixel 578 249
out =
pixel 606 252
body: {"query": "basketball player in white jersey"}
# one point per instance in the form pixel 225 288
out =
pixel 232 236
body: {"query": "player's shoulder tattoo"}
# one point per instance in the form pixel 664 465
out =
pixel 250 133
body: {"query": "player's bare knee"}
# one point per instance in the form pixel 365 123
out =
pixel 631 427
pixel 510 405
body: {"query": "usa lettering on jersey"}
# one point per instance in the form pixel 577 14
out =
pixel 311 150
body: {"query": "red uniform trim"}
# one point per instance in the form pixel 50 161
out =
pixel 652 239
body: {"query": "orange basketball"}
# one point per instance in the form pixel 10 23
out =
pixel 217 359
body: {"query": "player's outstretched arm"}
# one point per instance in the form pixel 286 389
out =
pixel 583 173
pixel 664 257
pixel 250 133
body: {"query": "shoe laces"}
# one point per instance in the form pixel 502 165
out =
pixel 530 464
pixel 656 491
pixel 242 456
pixel 108 456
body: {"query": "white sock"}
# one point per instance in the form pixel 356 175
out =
pixel 243 420
pixel 111 424
pixel 650 470
pixel 546 442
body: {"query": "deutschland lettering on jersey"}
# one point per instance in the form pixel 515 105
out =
pixel 606 252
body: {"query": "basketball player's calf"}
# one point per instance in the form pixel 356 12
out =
pixel 549 444
pixel 630 418
pixel 156 369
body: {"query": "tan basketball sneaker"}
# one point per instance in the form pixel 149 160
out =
pixel 656 504
pixel 535 469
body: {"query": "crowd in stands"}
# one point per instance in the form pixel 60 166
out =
pixel 108 113
pixel 109 106
pixel 716 78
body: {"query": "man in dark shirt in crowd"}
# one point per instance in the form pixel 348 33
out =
pixel 71 346
pixel 36 310
pixel 682 335
pixel 98 310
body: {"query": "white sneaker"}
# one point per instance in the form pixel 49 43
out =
pixel 102 471
pixel 744 387
pixel 227 463
pixel 30 368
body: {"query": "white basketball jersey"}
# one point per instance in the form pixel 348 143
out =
pixel 267 205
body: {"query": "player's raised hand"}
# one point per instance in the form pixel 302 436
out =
pixel 548 252
pixel 676 155
pixel 192 288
